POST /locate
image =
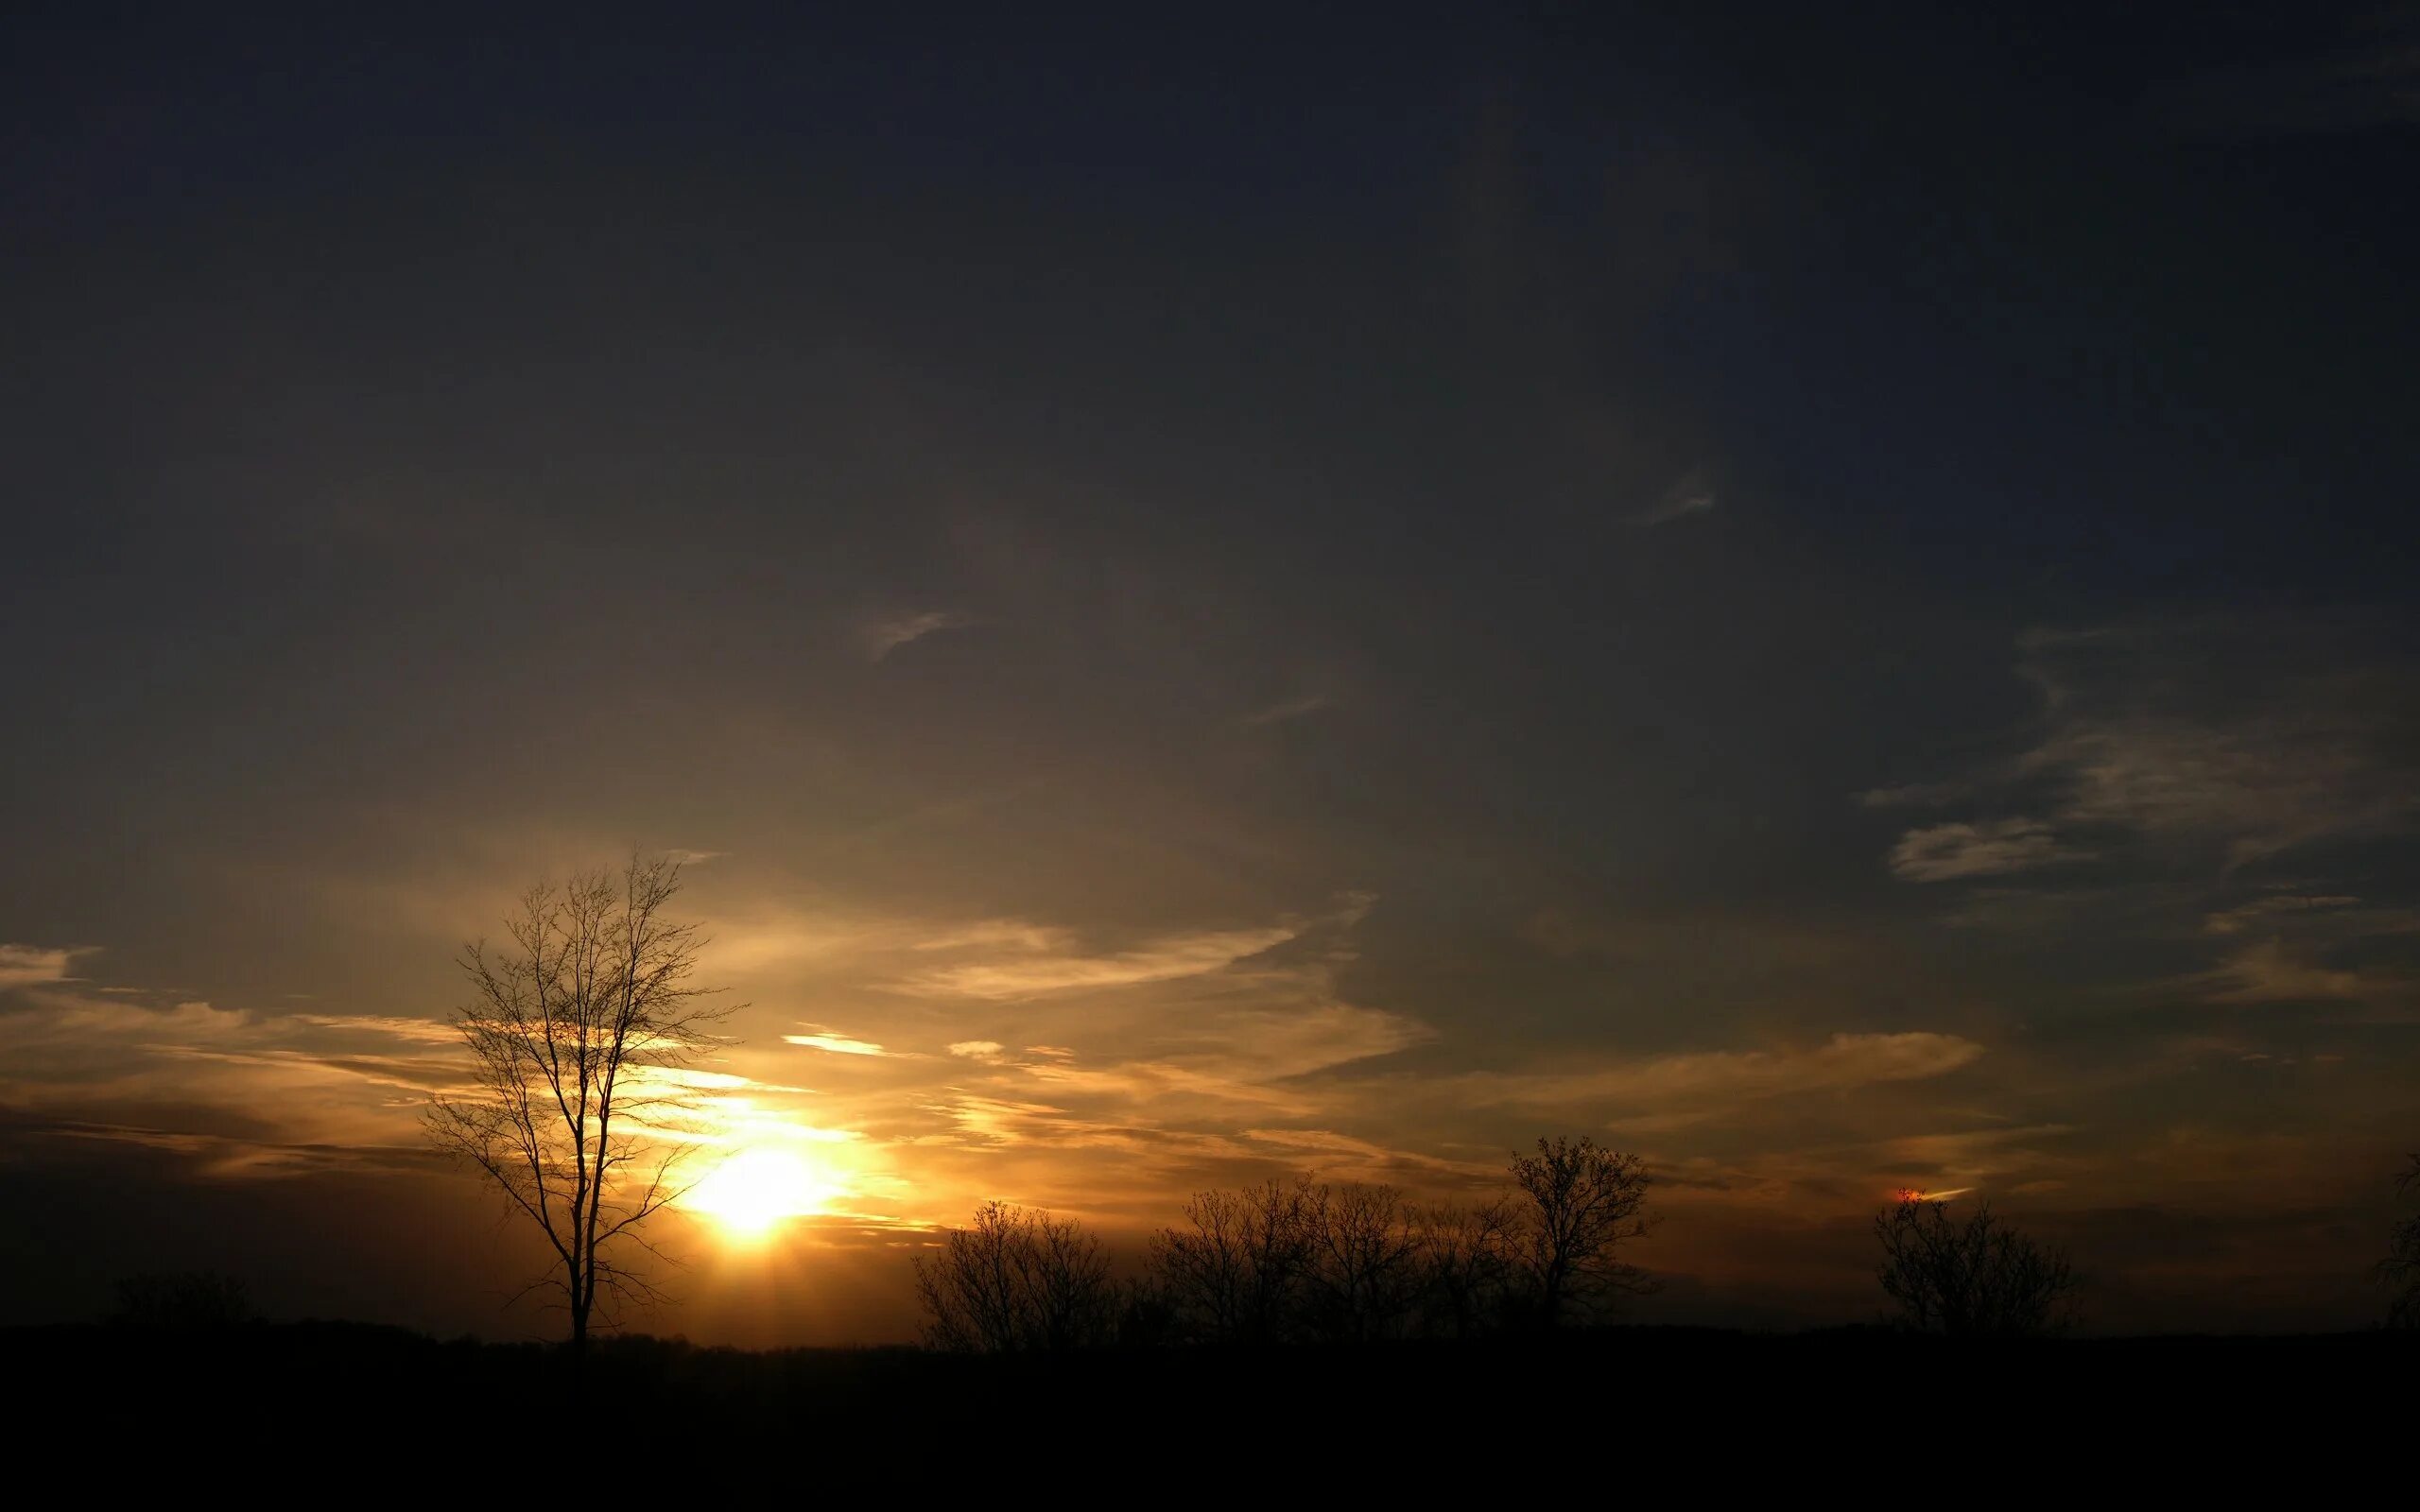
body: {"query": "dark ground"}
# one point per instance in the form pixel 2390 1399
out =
pixel 1603 1415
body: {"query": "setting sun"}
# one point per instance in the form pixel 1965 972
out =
pixel 755 1189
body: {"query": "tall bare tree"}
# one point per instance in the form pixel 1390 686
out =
pixel 2401 1267
pixel 1584 1203
pixel 1979 1278
pixel 1017 1280
pixel 577 1029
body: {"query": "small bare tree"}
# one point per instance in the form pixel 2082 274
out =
pixel 577 1032
pixel 1584 1203
pixel 1975 1279
pixel 1018 1281
pixel 2401 1267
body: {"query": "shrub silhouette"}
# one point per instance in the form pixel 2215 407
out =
pixel 184 1302
pixel 2401 1267
pixel 1975 1279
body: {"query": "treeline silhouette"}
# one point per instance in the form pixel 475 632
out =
pixel 1417 1338
pixel 1304 1262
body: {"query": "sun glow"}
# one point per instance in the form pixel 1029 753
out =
pixel 755 1189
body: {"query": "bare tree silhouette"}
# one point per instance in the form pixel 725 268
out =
pixel 1468 1257
pixel 1018 1281
pixel 577 1033
pixel 2401 1267
pixel 1975 1279
pixel 1234 1272
pixel 1363 1281
pixel 1584 1203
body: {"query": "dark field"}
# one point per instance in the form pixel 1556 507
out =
pixel 1603 1413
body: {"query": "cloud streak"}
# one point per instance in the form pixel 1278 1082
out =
pixel 879 638
pixel 1945 853
pixel 1040 973
pixel 28 964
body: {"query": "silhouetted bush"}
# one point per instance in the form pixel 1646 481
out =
pixel 1975 1279
pixel 2401 1267
pixel 1018 1281
pixel 183 1302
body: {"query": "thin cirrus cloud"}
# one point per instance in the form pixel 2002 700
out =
pixel 1943 852
pixel 26 964
pixel 2187 734
pixel 818 1037
pixel 1692 494
pixel 2270 971
pixel 2277 909
pixel 879 637
pixel 422 1031
pixel 1161 960
pixel 1722 1078
pixel 1287 710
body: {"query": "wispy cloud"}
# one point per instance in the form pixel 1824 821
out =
pixel 2270 910
pixel 820 1038
pixel 977 1049
pixel 421 1031
pixel 2270 972
pixel 2246 739
pixel 1708 1080
pixel 1161 960
pixel 1288 709
pixel 1943 852
pixel 28 964
pixel 997 934
pixel 1693 494
pixel 879 637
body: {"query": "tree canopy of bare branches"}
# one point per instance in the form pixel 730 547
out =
pixel 1302 1262
pixel 2401 1267
pixel 1234 1272
pixel 1017 1280
pixel 1470 1260
pixel 1584 1203
pixel 1975 1279
pixel 577 1029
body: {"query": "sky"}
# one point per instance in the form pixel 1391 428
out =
pixel 1822 596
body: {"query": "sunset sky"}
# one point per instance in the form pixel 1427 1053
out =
pixel 1828 601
